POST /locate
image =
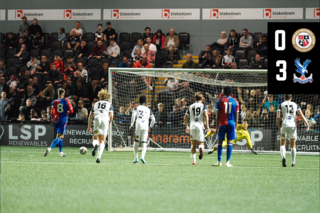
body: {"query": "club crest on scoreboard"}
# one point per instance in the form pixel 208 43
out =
pixel 302 69
pixel 303 40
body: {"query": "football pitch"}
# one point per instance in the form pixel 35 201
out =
pixel 168 183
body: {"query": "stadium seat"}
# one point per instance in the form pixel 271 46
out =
pixel 256 37
pixel 168 34
pixel 67 35
pixel 68 53
pixel 266 63
pixel 45 52
pixel 89 36
pixel 11 52
pixel 3 52
pixel 49 60
pixel 82 60
pixel 105 60
pixel 56 45
pixel 124 37
pixel 240 54
pixel 35 52
pixel 93 62
pixel 2 37
pixel 116 38
pixel 46 39
pixel 105 43
pixel 163 56
pixel 54 37
pixel 12 61
pixel 3 60
pixel 39 76
pixel 126 53
pixel 144 35
pixel 12 70
pixel 90 45
pixel 135 37
pixel 125 45
pixel 242 63
pixel 22 69
pixel 57 52
pixel 94 71
pixel 117 60
pixel 184 39
pixel 251 53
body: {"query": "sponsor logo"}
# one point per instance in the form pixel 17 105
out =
pixel 115 14
pixel 18 14
pixel 267 13
pixel 214 13
pixel 67 14
pixel 170 138
pixel 316 13
pixel 302 69
pixel 303 40
pixel 165 13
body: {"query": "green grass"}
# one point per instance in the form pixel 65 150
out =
pixel 168 183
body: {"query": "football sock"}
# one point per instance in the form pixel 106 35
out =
pixel 193 156
pixel 219 151
pixel 60 144
pixel 249 144
pixel 209 133
pixel 229 151
pixel 101 148
pixel 293 155
pixel 55 142
pixel 95 142
pixel 283 151
pixel 135 147
pixel 144 149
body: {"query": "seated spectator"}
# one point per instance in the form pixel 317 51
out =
pixel 35 27
pixel 246 41
pixel 151 55
pixel 317 117
pixel 58 62
pixel 113 49
pixel 83 72
pixel 13 82
pixel 12 110
pixel 27 109
pixel 24 25
pixel 38 41
pixel 99 34
pixel 10 42
pixel 138 46
pixel 83 50
pixel 175 116
pixel 152 47
pixel 216 59
pixel 62 35
pixel 21 117
pixel 171 43
pixel 256 63
pixel 13 94
pixel 122 117
pixel 68 92
pixel 27 40
pixel 44 117
pixel 78 78
pixel 68 71
pixel 186 93
pixel 270 101
pixel 78 30
pixel 54 75
pixel 159 40
pixel 205 57
pixel 33 64
pixel 34 115
pixel 93 91
pixel 227 60
pixel 221 43
pixel 73 40
pixel 23 56
pixel 189 64
pixel 4 103
pixel 29 94
pixel 98 49
pixel 160 116
pixel 48 94
pixel 3 71
pixel 138 55
pixel 263 48
pixel 24 80
pixel 80 93
pixel 104 73
pixel 312 123
pixel 49 113
pixel 82 112
pixel 44 66
pixel 109 33
pixel 147 33
pixel 171 84
pixel 233 41
pixel 260 42
pixel 304 106
pixel 20 43
pixel 70 61
pixel 124 62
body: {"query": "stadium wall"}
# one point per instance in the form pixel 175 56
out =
pixel 202 31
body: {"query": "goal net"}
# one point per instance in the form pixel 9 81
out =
pixel 170 91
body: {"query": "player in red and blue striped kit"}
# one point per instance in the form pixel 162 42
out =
pixel 227 120
pixel 59 113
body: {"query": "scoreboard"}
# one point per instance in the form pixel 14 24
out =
pixel 294 58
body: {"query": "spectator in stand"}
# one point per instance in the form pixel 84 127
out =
pixel 80 92
pixel 260 42
pixel 205 57
pixel 4 103
pixel 3 71
pixel 33 64
pixel 160 116
pixel 29 94
pixel 99 34
pixel 216 59
pixel 221 43
pixel 24 25
pixel 227 60
pixel 214 99
pixel 186 93
pixel 151 55
pixel 256 63
pixel 12 111
pixel 171 84
pixel 54 75
pixel 35 87
pixel 246 41
pixel 159 40
pixel 38 41
pixel 272 117
pixel 244 114
pixel 93 91
pixel 23 56
pixel 211 116
pixel 27 109
pixel 109 33
pixel 82 113
pixel 83 72
pixel 73 40
pixel 189 64
pixel 34 28
pixel 104 73
pixel 305 106
pixel 20 43
pixel 175 116
pixel 77 78
pixel 24 80
pixel 21 117
pixel 143 63
pixel 171 43
pixel 48 95
pixel 68 92
pixel 44 66
pixel 263 48
pixel 146 34
pixel 259 98
pixel 312 123
pixel 58 62
pixel 124 62
pixel 78 30
pixel 138 55
pixel 10 42
pixel 140 46
pixel 317 118
pixel 83 49
pixel 13 82
pixel 113 49
pixel 122 117
pixel 98 50
pixel 62 35
pixel 233 40
pixel 152 47
pixel 270 102
pixel 27 39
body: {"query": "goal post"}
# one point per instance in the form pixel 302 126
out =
pixel 173 90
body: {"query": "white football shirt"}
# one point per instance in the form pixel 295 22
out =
pixel 102 109
pixel 196 113
pixel 289 111
pixel 141 115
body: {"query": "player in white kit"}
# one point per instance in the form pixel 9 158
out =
pixel 198 113
pixel 288 130
pixel 102 112
pixel 140 116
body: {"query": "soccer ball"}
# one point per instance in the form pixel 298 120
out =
pixel 83 150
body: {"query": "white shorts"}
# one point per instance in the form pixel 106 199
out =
pixel 197 134
pixel 141 135
pixel 288 132
pixel 100 126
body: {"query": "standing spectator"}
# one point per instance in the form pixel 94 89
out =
pixel 138 55
pixel 171 43
pixel 44 66
pixel 33 64
pixel 122 117
pixel 113 49
pixel 263 48
pixel 256 63
pixel 24 25
pixel 23 56
pixel 246 41
pixel 13 94
pixel 171 84
pixel 124 62
pixel 211 116
pixel 151 55
pixel 73 40
pixel 12 111
pixel 29 94
pixel 98 49
pixel 13 82
pixel 233 41
pixel 214 99
pixel 82 112
pixel 227 60
pixel 109 33
pixel 190 64
pixel 78 30
pixel 80 92
pixel 26 110
pixel 152 47
pixel 10 42
pixel 216 59
pixel 83 72
pixel 270 101
pixel 138 46
pixel 48 94
pixel 175 116
pixel 3 71
pixel 159 40
pixel 104 73
pixel 221 43
pixel 4 103
pixel 93 91
pixel 62 35
pixel 34 28
pixel 146 34
pixel 83 49
pixel 58 62
pixel 272 117
pixel 160 116
pixel 312 123
pixel 54 75
pixel 244 114
pixel 99 34
pixel 38 41
pixel 205 57
pixel 27 39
